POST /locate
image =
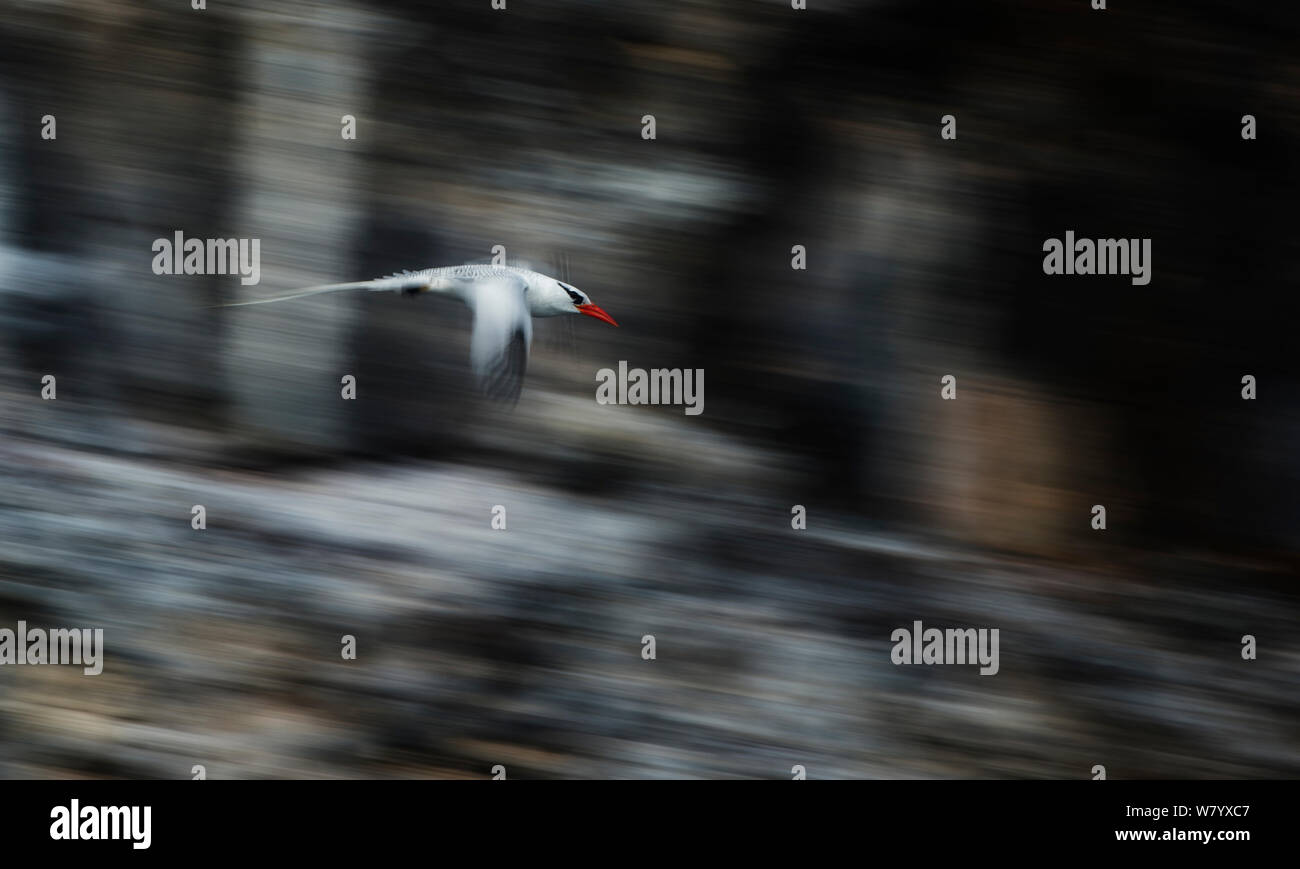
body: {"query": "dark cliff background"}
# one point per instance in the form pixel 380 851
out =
pixel 775 127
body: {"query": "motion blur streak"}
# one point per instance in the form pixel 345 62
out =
pixel 372 517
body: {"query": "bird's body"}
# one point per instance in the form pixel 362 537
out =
pixel 504 300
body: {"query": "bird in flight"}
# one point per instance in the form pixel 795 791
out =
pixel 504 300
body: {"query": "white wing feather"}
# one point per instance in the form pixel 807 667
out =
pixel 502 335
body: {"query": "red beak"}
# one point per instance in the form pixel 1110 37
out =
pixel 592 311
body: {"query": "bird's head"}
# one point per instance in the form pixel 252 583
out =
pixel 571 300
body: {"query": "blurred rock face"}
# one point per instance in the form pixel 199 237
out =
pixel 362 139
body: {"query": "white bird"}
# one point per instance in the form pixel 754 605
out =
pixel 504 300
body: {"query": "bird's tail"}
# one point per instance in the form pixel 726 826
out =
pixel 309 291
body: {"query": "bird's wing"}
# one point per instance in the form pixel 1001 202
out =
pixel 503 332
pixel 406 282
